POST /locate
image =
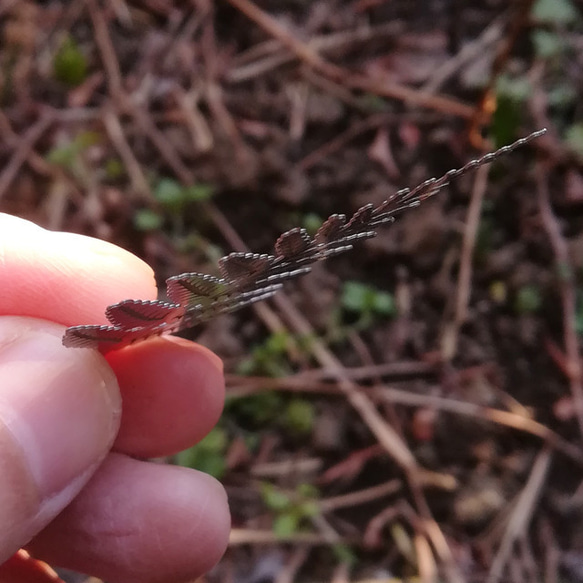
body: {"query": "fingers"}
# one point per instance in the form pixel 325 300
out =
pixel 173 393
pixel 60 409
pixel 138 522
pixel 59 414
pixel 64 277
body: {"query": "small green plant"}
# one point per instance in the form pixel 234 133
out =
pixel 114 168
pixel 574 138
pixel 70 64
pixel 207 455
pixel 528 299
pixel 553 44
pixel 255 411
pixel 561 97
pixel 148 220
pixel 269 358
pixel 291 510
pixel 511 96
pixel 557 12
pixel 548 45
pixel 311 222
pixel 68 155
pixel 270 408
pixel 193 241
pixel 299 416
pixel 367 302
pixel 344 554
pixel 174 199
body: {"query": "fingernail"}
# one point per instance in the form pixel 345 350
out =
pixel 61 406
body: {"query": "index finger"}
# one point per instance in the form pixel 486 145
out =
pixel 63 277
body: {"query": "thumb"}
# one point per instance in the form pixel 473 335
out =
pixel 59 414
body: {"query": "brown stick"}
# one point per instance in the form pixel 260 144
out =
pixel 384 88
pixel 564 272
pixel 464 283
pixel 32 135
pixel 107 50
pixel 300 383
pixel 521 514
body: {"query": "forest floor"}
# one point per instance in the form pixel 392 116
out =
pixel 414 407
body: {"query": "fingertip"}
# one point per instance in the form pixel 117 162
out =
pixel 68 277
pixel 173 392
pixel 214 359
pixel 152 522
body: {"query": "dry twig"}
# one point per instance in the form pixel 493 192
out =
pixel 564 272
pixel 521 515
pixel 249 385
pixel 464 285
pixel 24 149
pixel 312 58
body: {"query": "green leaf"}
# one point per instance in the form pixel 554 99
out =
pixel 309 508
pixel 354 296
pixel 308 491
pixel 562 95
pixel 564 271
pixel 68 153
pixel 277 343
pixel 208 455
pixel 169 193
pixel 69 64
pixel 547 45
pixel 85 139
pixel 505 121
pixel 311 222
pixel 113 168
pixel 256 410
pixel 211 464
pixel 274 499
pixel 574 138
pixel 147 220
pixel 344 554
pixel 528 299
pixel 215 441
pixel 299 416
pixel 511 94
pixel 199 192
pixel 384 304
pixel 366 300
pixel 286 524
pixel 559 12
pixel 269 358
pixel 515 88
pixel 62 155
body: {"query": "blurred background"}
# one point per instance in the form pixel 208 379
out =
pixel 412 409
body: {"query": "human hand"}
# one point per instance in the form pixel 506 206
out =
pixel 71 488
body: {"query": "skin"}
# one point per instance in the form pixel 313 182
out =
pixel 75 426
